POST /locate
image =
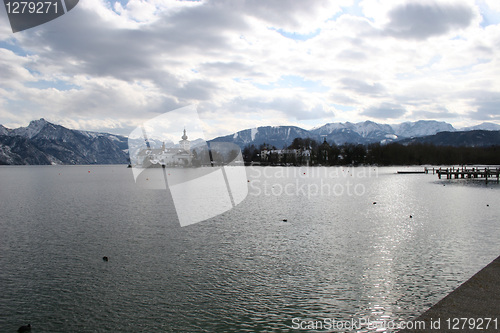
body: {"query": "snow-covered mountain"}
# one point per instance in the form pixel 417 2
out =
pixel 4 130
pixel 278 136
pixel 484 126
pixel 364 132
pixel 370 132
pixel 421 128
pixel 341 133
pixel 33 129
pixel 42 142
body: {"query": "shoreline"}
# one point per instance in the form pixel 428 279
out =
pixel 468 308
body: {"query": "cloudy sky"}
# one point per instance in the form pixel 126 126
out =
pixel 111 65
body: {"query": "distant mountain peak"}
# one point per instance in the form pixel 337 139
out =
pixel 4 130
pixel 32 129
pixel 365 132
pixel 486 126
pixel 41 120
pixel 422 128
pixel 42 142
pixel 38 123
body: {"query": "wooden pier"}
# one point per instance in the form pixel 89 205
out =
pixel 473 173
pixel 406 172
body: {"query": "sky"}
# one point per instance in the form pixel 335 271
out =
pixel 111 65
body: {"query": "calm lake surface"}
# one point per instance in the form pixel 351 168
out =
pixel 338 256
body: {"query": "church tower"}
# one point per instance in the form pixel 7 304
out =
pixel 184 143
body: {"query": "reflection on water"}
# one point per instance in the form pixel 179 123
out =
pixel 349 249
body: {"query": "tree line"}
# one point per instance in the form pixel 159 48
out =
pixel 309 152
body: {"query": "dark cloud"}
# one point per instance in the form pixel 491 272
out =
pixel 198 89
pixel 440 114
pixel 101 49
pixel 342 99
pixel 292 106
pixel 487 105
pixel 420 21
pixel 487 110
pixel 351 55
pixel 228 68
pixel 288 14
pixel 385 111
pixel 361 87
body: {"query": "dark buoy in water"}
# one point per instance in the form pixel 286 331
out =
pixel 105 258
pixel 411 216
pixel 487 205
pixel 374 202
pixel 24 328
pixel 285 220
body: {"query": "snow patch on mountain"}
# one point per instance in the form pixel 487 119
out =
pixel 484 126
pixel 328 128
pixel 32 129
pixel 4 130
pixel 422 128
pixel 372 131
pixel 254 132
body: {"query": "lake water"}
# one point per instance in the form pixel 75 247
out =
pixel 338 256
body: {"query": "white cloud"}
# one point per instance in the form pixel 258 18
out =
pixel 232 59
pixel 421 21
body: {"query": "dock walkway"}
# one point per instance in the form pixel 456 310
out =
pixel 463 172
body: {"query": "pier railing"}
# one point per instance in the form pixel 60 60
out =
pixel 463 173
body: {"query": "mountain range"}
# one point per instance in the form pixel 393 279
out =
pixel 340 133
pixel 42 142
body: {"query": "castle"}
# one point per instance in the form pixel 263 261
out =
pixel 170 157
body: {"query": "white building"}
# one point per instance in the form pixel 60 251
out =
pixel 184 143
pixel 171 157
pixel 281 153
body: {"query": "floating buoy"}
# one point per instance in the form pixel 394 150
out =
pixel 487 205
pixel 89 171
pixel 105 258
pixel 374 202
pixel 24 328
pixel 411 216
pixel 285 220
